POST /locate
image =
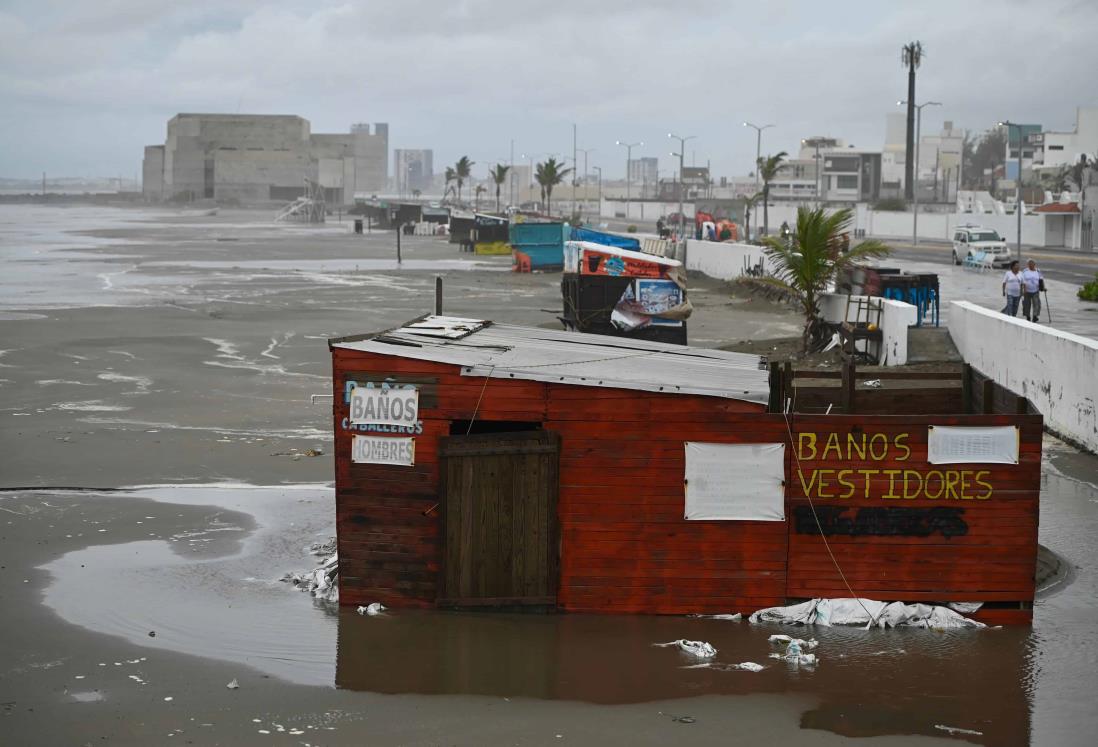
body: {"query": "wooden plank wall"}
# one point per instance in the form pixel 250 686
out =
pixel 625 546
pixel 906 529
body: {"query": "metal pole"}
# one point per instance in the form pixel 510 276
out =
pixel 758 155
pixel 511 190
pixel 1018 208
pixel 398 242
pixel 628 163
pixel 915 177
pixel 574 169
pixel 682 218
pixel 438 295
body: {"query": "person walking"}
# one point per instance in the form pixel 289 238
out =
pixel 1012 289
pixel 1033 282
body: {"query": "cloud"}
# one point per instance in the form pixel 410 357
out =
pixel 467 76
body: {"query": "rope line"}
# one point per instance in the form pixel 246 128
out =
pixel 788 417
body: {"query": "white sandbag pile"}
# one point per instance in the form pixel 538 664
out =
pixel 867 612
pixel 700 649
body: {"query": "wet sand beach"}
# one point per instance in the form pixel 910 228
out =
pixel 180 353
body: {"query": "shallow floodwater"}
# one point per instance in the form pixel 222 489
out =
pixel 212 591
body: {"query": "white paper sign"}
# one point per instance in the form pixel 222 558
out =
pixel 381 450
pixel 950 444
pixel 384 406
pixel 735 481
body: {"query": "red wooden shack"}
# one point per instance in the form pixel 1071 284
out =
pixel 482 464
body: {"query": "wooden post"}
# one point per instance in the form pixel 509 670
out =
pixel 438 295
pixel 966 389
pixel 1021 405
pixel 398 243
pixel 788 387
pixel 776 395
pixel 989 396
pixel 846 395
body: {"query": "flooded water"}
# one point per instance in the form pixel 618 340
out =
pixel 212 591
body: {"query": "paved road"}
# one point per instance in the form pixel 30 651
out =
pixel 1057 264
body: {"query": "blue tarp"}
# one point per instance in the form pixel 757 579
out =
pixel 606 239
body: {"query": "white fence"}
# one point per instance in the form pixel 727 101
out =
pixel 646 210
pixel 722 260
pixel 1055 370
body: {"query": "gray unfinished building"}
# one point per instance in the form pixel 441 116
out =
pixel 254 158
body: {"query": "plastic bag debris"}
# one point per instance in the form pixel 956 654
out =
pixel 374 608
pixel 867 612
pixel 745 666
pixel 794 650
pixel 784 640
pixel 965 608
pixel 872 383
pixel 234 685
pixel 731 618
pixel 322 582
pixel 700 649
pixel 749 666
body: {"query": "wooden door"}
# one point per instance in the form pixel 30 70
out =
pixel 500 531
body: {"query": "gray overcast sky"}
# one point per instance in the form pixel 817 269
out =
pixel 84 85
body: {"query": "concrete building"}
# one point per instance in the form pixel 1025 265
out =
pixel 939 167
pixel 152 173
pixel 254 158
pixel 413 169
pixel 1059 149
pixel 1024 139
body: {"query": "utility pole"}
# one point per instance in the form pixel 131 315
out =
pixel 575 168
pixel 1018 182
pixel 628 161
pixel 682 186
pixel 599 169
pixel 915 173
pixel 758 148
pixel 511 183
pixel 815 142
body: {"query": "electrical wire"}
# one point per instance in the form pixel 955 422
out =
pixel 788 417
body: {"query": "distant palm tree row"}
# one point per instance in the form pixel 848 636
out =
pixel 547 174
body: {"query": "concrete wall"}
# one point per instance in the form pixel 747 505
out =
pixel 648 211
pixel 896 318
pixel 724 261
pixel 1054 369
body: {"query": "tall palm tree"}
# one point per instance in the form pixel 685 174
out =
pixel 769 166
pixel 911 57
pixel 451 176
pixel 499 176
pixel 462 169
pixel 479 191
pixel 549 174
pixel 748 206
pixel 806 265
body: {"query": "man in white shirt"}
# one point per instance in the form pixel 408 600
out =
pixel 1032 284
pixel 1012 289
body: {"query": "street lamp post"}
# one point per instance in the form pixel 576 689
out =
pixel 585 152
pixel 680 154
pixel 628 160
pixel 915 171
pixel 599 169
pixel 815 142
pixel 1018 182
pixel 758 148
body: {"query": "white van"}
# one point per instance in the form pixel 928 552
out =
pixel 971 240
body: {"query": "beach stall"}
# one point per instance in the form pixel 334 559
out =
pixel 538 246
pixel 483 465
pixel 608 290
pixel 479 233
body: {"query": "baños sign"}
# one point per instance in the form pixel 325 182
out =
pixel 384 406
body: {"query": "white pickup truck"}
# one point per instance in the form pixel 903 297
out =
pixel 968 241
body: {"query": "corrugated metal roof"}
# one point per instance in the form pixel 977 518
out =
pixel 506 351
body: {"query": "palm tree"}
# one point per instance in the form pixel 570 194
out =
pixel 499 176
pixel 911 57
pixel 768 170
pixel 416 193
pixel 479 191
pixel 549 174
pixel 748 206
pixel 451 176
pixel 807 264
pixel 462 169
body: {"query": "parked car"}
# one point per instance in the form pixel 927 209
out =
pixel 969 240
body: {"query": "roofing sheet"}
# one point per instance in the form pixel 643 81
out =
pixel 506 351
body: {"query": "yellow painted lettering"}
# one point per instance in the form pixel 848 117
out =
pixel 806 440
pixel 891 494
pixel 823 483
pixel 807 487
pixel 964 485
pixel 941 485
pixel 979 480
pixel 846 483
pixel 832 445
pixel 855 444
pixel 901 443
pixel 868 473
pixel 881 440
pixel 910 476
pixel 951 479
